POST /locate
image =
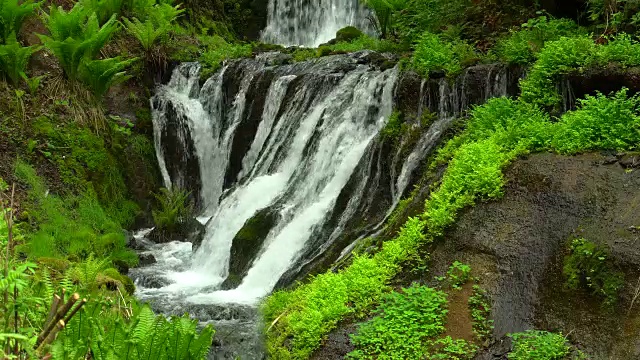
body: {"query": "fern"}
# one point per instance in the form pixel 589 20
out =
pixel 157 25
pixel 104 9
pixel 76 37
pixel 76 40
pixel 146 336
pixel 174 208
pixel 12 15
pixel 100 75
pixel 14 59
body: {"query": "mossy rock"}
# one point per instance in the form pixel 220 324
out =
pixel 348 34
pixel 247 243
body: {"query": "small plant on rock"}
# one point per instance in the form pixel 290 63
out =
pixel 587 266
pixel 174 208
pixel 538 345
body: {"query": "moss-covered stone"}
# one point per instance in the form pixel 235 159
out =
pixel 247 243
pixel 348 34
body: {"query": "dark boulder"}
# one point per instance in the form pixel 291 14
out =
pixel 191 231
pixel 146 259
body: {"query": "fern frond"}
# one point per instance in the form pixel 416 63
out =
pixel 12 15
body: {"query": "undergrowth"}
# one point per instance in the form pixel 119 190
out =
pixel 538 345
pixel 405 319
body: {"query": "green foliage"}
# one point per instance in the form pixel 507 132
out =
pixel 447 348
pixel 480 312
pixel 557 57
pixel 600 122
pixel 522 46
pixel 433 16
pixel 433 53
pixel 12 15
pixel 174 208
pixel 14 59
pixel 76 40
pixel 393 129
pixel 217 50
pixel 538 345
pixel 587 266
pixel 573 54
pixel 100 75
pixel 405 320
pixel 86 163
pixel 104 9
pixel 75 226
pixel 145 336
pixel 458 274
pixel 310 311
pixel 159 22
pixel 614 15
pixel 386 12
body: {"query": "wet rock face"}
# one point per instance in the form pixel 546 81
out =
pixel 180 154
pixel 517 245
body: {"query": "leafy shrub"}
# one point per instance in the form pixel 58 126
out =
pixel 447 348
pixel 522 46
pixel 76 40
pixel 612 16
pixel 14 59
pixel 432 53
pixel 573 54
pixel 12 15
pixel 557 57
pixel 458 274
pixel 538 345
pixel 587 267
pixel 405 320
pixel 104 9
pixel 621 49
pixel 600 122
pixel 144 336
pixel 157 25
pixel 480 312
pixel 174 208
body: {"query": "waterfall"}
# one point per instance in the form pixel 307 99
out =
pixel 257 137
pixel 311 22
pixel 298 149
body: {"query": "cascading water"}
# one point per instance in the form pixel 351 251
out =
pixel 311 22
pixel 299 145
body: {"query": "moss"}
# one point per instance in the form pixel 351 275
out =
pixel 348 34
